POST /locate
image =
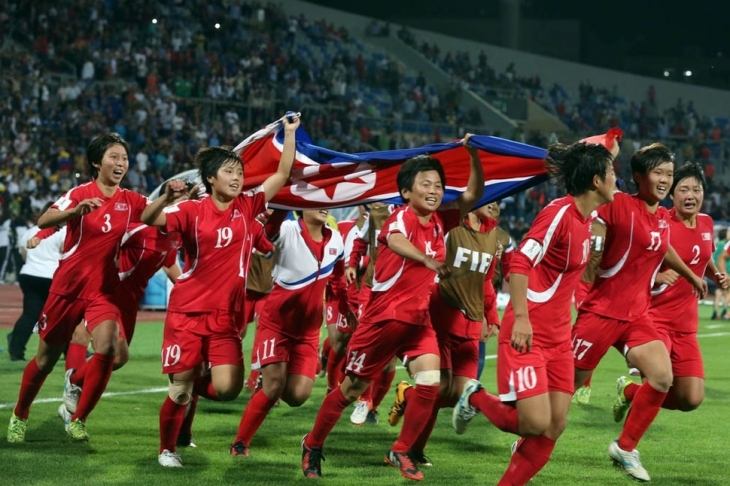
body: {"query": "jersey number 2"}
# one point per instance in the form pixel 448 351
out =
pixel 696 253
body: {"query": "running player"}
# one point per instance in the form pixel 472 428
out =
pixel 96 214
pixel 204 315
pixel 637 240
pixel 395 320
pixel 720 257
pixel 674 307
pixel 534 357
pixel 308 255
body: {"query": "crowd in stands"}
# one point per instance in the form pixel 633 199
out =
pixel 173 76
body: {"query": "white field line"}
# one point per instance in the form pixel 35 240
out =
pixel 107 394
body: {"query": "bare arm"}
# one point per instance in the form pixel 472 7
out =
pixel 153 214
pixel 676 264
pixel 276 181
pixel 521 338
pixel 56 217
pixel 173 272
pixel 400 245
pixel 475 185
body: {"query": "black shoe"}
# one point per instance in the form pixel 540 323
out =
pixel 185 440
pixel 372 417
pixel 421 459
pixel 311 461
pixel 13 357
pixel 238 449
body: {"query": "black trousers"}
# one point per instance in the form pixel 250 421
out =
pixel 35 292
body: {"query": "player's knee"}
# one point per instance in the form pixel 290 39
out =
pixel 428 378
pixel 180 392
pixel 557 427
pixel 120 359
pixel 273 388
pixel 228 391
pixel 660 380
pixel 295 398
pixel 691 402
pixel 534 426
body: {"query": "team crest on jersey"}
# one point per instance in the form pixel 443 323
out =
pixel 333 251
pixel 706 237
pixel 663 224
pixel 121 206
pixel 236 214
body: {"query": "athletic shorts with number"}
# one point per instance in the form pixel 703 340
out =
pixel 460 355
pixel 373 345
pixel 195 338
pixel 529 374
pixel 684 351
pixel 253 306
pixel 273 346
pixel 593 335
pixel 334 318
pixel 61 314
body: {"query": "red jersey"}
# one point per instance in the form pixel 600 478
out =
pixel 89 262
pixel 145 249
pixel 218 247
pixel 676 305
pixel 553 254
pixel 635 245
pixel 401 286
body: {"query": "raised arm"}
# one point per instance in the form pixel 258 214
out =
pixel 153 214
pixel 56 217
pixel 276 181
pixel 475 185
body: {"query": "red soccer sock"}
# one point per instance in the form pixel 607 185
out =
pixel 644 409
pixel 187 425
pixel 78 376
pixel 76 357
pixel 382 387
pixel 99 369
pixel 335 365
pixel 504 417
pixel 367 395
pixel 630 391
pixel 253 379
pixel 204 387
pixel 30 385
pixel 420 444
pixel 528 460
pixel 172 416
pixel 420 406
pixel 253 416
pixel 329 413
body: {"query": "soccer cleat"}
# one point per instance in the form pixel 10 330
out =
pixel 76 429
pixel 372 417
pixel 360 415
pixel 406 464
pixel 71 393
pixel 516 445
pixel 64 414
pixel 582 395
pixel 185 440
pixel 620 405
pixel 421 459
pixel 463 411
pixel 311 461
pixel 238 449
pixel 16 429
pixel 629 461
pixel 169 459
pixel 399 407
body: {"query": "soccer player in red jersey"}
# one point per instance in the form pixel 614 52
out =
pixel 204 315
pixel 395 321
pixel 637 240
pixel 308 256
pixel 674 307
pixel 96 215
pixel 534 356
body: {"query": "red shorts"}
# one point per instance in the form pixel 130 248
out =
pixel 129 322
pixel 460 355
pixel 61 314
pixel 372 346
pixel 334 318
pixel 206 337
pixel 542 370
pixel 581 292
pixel 684 351
pixel 252 306
pixel 272 346
pixel 593 335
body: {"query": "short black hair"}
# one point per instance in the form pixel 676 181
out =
pixel 722 234
pixel 210 159
pixel 574 166
pixel 687 170
pixel 98 147
pixel 408 171
pixel 648 158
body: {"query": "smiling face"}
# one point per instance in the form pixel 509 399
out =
pixel 113 166
pixel 426 194
pixel 315 217
pixel 654 185
pixel 228 181
pixel 607 187
pixel 688 197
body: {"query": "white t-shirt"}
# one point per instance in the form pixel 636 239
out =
pixel 42 260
